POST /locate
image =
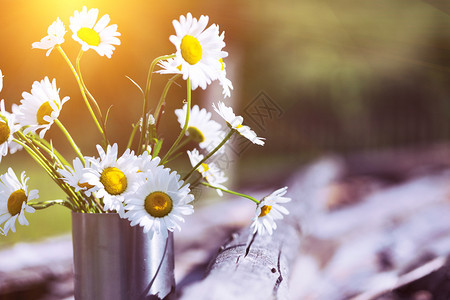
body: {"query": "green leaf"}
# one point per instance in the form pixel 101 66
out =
pixel 157 147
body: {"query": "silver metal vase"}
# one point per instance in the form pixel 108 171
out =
pixel 113 260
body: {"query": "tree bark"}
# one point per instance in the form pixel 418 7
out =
pixel 251 266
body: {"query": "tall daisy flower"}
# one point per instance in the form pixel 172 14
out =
pixel 41 108
pixel 8 127
pixel 235 122
pixel 14 196
pixel 159 203
pixel 115 177
pixel 211 172
pixel 81 177
pixel 93 34
pixel 55 36
pixel 201 129
pixel 198 49
pixel 268 211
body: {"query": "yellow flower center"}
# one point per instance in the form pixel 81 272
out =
pixel 179 67
pixel 205 167
pixel 191 50
pixel 89 36
pixel 4 132
pixel 85 185
pixel 15 201
pixel 44 110
pixel 223 66
pixel 114 181
pixel 195 134
pixel 265 210
pixel 158 204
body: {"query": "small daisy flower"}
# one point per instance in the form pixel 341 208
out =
pixel 169 66
pixel 226 83
pixel 198 50
pixel 93 34
pixel 146 163
pixel 212 173
pixel 41 108
pixel 150 121
pixel 115 177
pixel 201 129
pixel 55 36
pixel 235 122
pixel 14 196
pixel 80 177
pixel 268 210
pixel 159 203
pixel 7 128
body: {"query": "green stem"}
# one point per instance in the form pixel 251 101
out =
pixel 163 97
pixel 50 150
pixel 93 101
pixel 35 156
pixel 145 105
pixel 43 162
pixel 45 204
pixel 83 94
pixel 231 192
pixel 133 133
pixel 70 139
pixel 229 135
pixel 186 123
pixel 183 143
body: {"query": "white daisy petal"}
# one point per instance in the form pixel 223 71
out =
pixel 114 178
pixel 199 50
pixel 8 127
pixel 235 122
pixel 211 172
pixel 56 32
pixel 13 200
pixel 39 109
pixel 159 202
pixel 208 133
pixel 268 210
pixel 93 34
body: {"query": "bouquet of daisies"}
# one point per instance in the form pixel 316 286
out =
pixel 136 184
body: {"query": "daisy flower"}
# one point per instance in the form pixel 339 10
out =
pixel 235 122
pixel 169 66
pixel 93 34
pixel 55 36
pixel 226 83
pixel 115 177
pixel 198 50
pixel 80 177
pixel 212 173
pixel 146 163
pixel 201 129
pixel 159 203
pixel 268 210
pixel 7 129
pixel 14 196
pixel 39 109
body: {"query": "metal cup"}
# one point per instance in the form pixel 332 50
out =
pixel 113 260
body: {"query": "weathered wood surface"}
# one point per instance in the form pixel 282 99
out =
pixel 250 266
pixel 369 230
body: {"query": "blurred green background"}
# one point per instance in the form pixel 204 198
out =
pixel 311 76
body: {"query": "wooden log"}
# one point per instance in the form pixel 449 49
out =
pixel 250 266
